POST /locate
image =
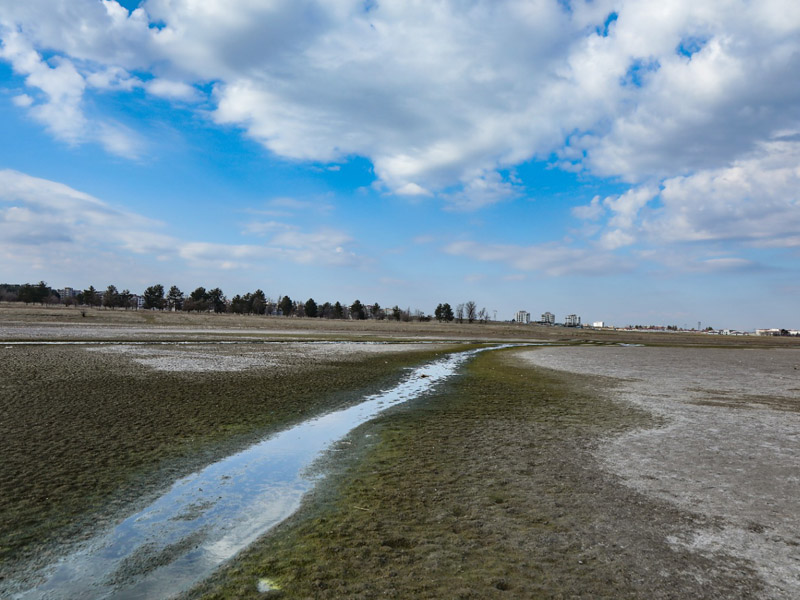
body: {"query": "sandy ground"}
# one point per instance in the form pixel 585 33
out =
pixel 729 446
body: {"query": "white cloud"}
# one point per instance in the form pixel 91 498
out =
pixel 44 222
pixel 625 208
pixel 412 189
pixel 437 95
pixel 552 258
pixel 590 212
pixel 616 238
pixel 60 85
pixel 264 227
pixel 752 203
pixel 289 207
pixel 485 190
pixel 60 96
pixel 755 201
pixel 22 100
pixel 172 90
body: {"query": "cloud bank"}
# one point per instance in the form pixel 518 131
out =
pixel 439 94
pixel 48 224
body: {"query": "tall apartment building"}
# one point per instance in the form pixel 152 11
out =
pixel 548 318
pixel 523 317
pixel 572 321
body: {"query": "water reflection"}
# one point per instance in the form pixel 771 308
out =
pixel 207 517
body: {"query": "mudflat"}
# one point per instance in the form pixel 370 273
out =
pixel 582 470
pixel 89 432
pixel 518 480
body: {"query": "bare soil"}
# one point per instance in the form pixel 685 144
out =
pixel 727 448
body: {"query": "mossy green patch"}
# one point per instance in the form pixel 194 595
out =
pixel 485 489
pixel 84 435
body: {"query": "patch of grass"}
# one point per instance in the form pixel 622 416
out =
pixel 84 435
pixel 485 489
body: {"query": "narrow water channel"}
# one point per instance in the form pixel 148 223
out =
pixel 209 516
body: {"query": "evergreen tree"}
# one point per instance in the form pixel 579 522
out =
pixel 154 297
pixel 26 293
pixel 258 303
pixel 357 311
pixel 197 300
pixel 91 297
pixel 126 299
pixel 111 297
pixel 326 311
pixel 447 312
pixel 311 308
pixel 378 312
pixel 285 305
pixel 239 304
pixel 175 298
pixel 217 301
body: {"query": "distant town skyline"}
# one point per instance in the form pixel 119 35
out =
pixel 626 162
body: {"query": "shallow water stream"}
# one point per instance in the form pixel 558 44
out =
pixel 208 516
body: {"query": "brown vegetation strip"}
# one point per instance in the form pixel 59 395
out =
pixel 22 322
pixel 487 489
pixel 86 434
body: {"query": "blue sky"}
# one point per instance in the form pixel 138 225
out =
pixel 631 162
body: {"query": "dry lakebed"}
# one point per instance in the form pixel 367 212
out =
pixel 149 456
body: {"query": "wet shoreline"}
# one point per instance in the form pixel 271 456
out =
pixel 209 516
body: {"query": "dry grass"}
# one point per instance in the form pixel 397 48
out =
pixel 43 323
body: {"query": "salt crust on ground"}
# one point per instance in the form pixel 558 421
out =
pixel 230 358
pixel 729 447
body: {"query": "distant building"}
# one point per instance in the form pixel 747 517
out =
pixel 548 318
pixel 775 332
pixel 572 321
pixel 598 324
pixel 523 317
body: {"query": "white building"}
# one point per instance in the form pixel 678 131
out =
pixel 548 318
pixel 572 321
pixel 775 332
pixel 598 324
pixel 523 317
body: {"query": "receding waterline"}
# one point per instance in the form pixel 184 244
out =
pixel 208 516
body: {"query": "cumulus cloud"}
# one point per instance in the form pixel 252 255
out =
pixel 753 202
pixel 439 96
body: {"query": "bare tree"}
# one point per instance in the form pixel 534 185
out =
pixel 471 310
pixel 460 313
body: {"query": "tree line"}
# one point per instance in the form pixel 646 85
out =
pixel 155 297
